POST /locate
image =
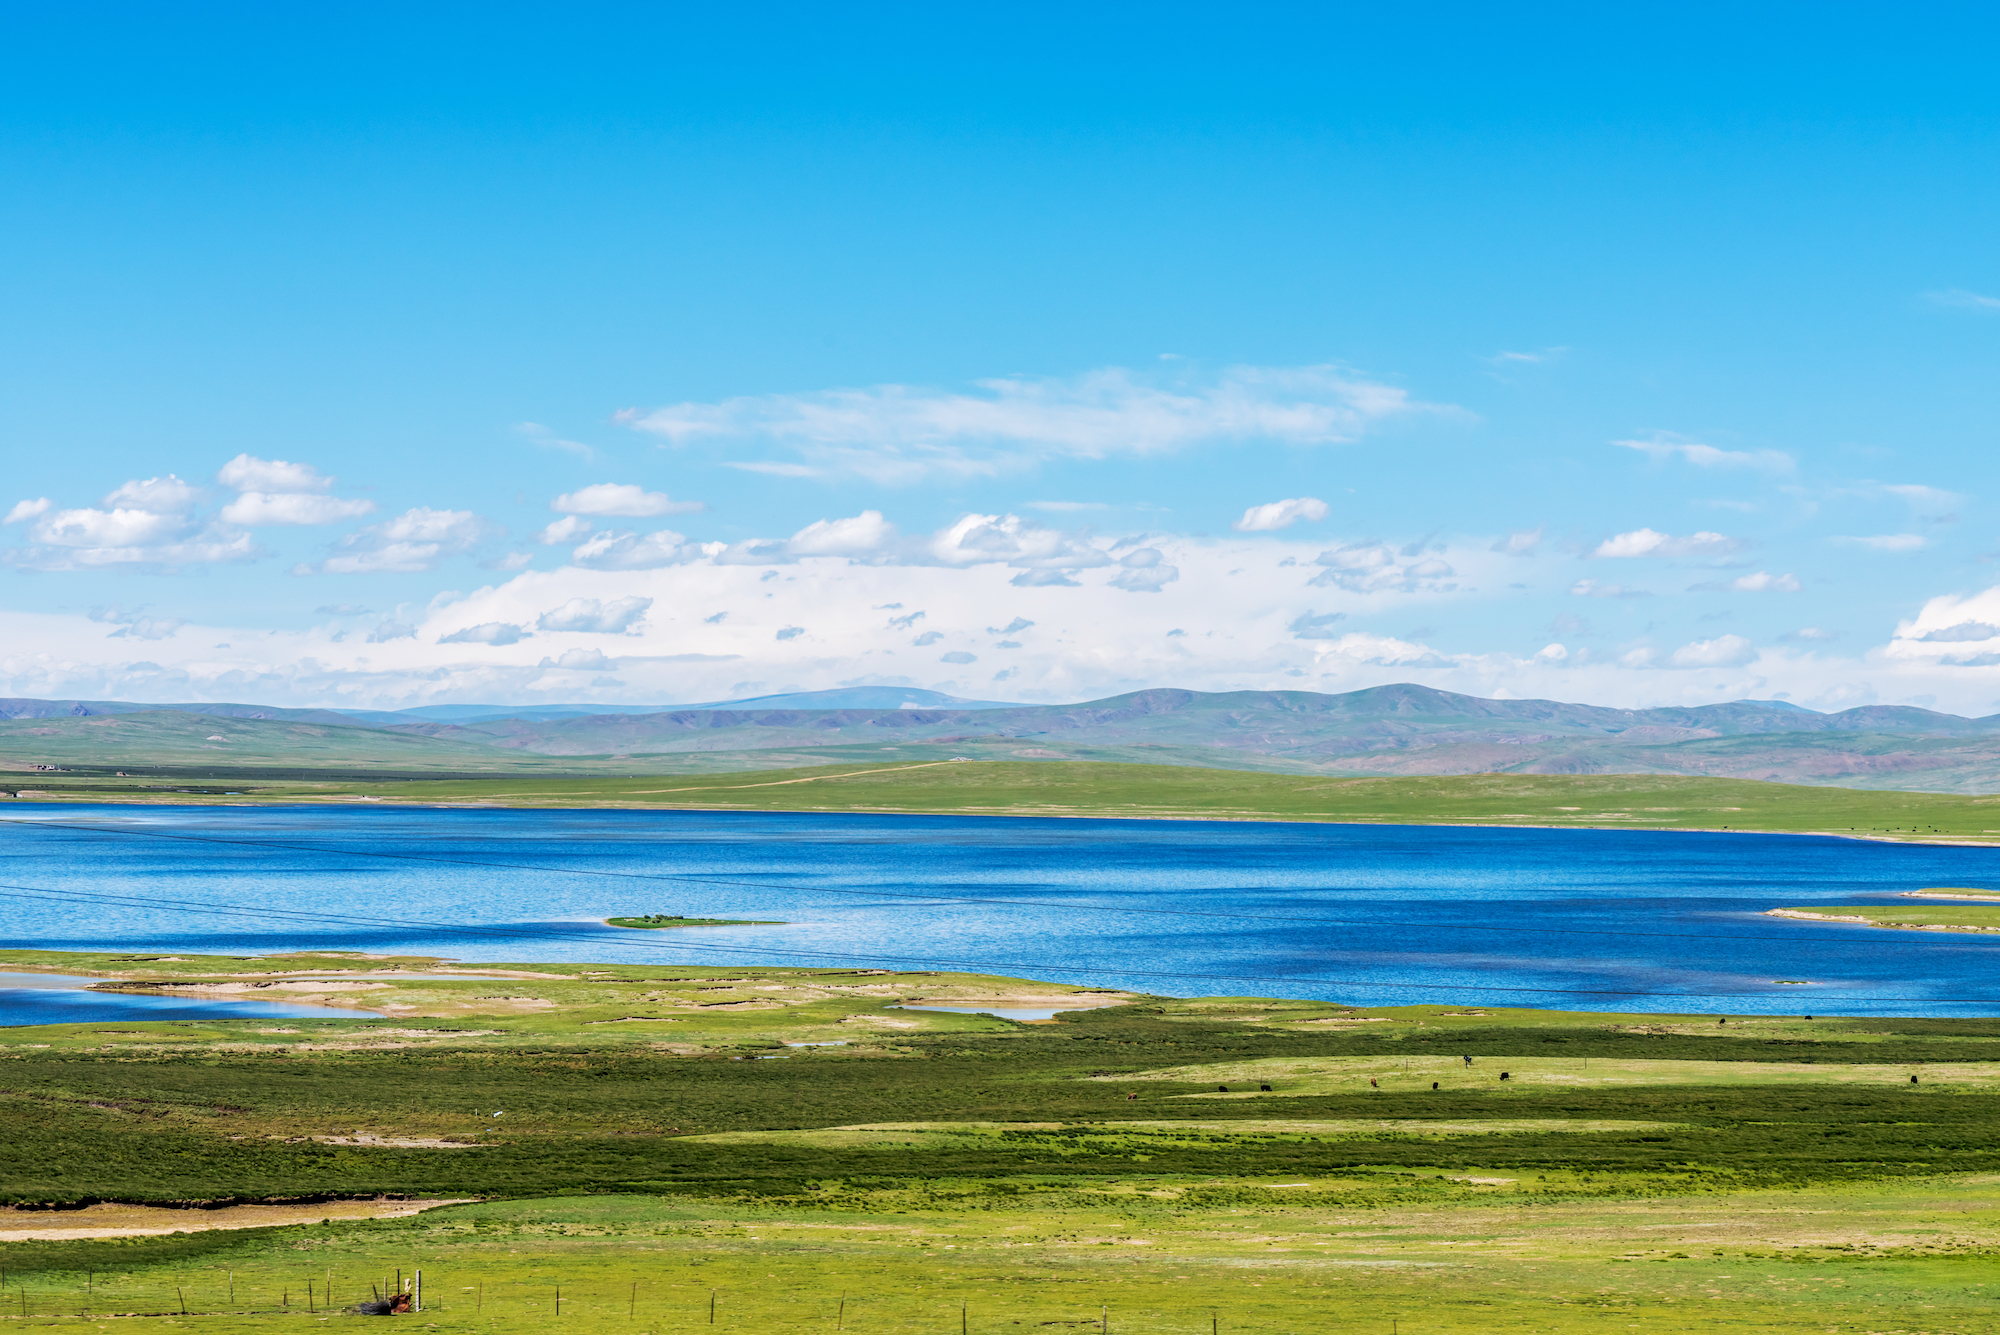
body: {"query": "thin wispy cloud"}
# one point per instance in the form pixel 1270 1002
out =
pixel 897 434
pixel 1963 300
pixel 1886 542
pixel 542 437
pixel 1664 446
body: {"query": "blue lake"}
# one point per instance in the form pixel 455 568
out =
pixel 1603 920
pixel 41 998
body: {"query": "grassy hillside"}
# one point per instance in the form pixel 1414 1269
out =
pixel 1162 792
pixel 169 739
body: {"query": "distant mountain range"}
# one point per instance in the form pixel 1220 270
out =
pixel 1386 730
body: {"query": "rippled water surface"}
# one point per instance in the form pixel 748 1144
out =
pixel 1579 919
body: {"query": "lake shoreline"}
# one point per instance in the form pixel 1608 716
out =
pixel 309 802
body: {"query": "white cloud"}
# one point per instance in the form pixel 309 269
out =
pixel 248 473
pixel 257 509
pixel 1761 582
pixel 415 540
pixel 1887 542
pixel 899 434
pixel 977 539
pixel 164 495
pixel 590 615
pixel 770 469
pixel 622 550
pixel 134 624
pixel 1646 542
pixel 564 530
pixel 497 633
pixel 1280 514
pixel 1043 579
pixel 865 533
pixel 1722 651
pixel 1811 634
pixel 1665 445
pixel 1145 571
pixel 1521 542
pixel 26 510
pixel 1590 588
pixel 1374 567
pixel 621 500
pixel 1958 296
pixel 581 660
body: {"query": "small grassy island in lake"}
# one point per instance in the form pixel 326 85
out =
pixel 654 921
pixel 1908 917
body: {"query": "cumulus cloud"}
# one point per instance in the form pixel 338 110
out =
pixel 581 660
pixel 564 530
pixel 1722 651
pixel 1280 514
pixel 1646 542
pixel 977 539
pixel 415 540
pixel 248 473
pixel 594 617
pixel 1360 648
pixel 1664 446
pixel 163 495
pixel 146 524
pixel 260 509
pixel 1375 567
pixel 901 433
pixel 624 550
pixel 863 535
pixel 488 632
pixel 1761 582
pixel 621 500
pixel 1145 571
pixel 26 510
pixel 1887 542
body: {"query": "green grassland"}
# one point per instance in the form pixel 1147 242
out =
pixel 1163 792
pixel 1637 1172
pixel 659 1141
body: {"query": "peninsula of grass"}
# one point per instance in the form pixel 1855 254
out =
pixel 1907 917
pixel 655 921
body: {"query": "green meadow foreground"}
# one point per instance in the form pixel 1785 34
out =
pixel 651 1139
pixel 1130 791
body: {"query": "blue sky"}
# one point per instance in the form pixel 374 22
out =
pixel 1634 359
